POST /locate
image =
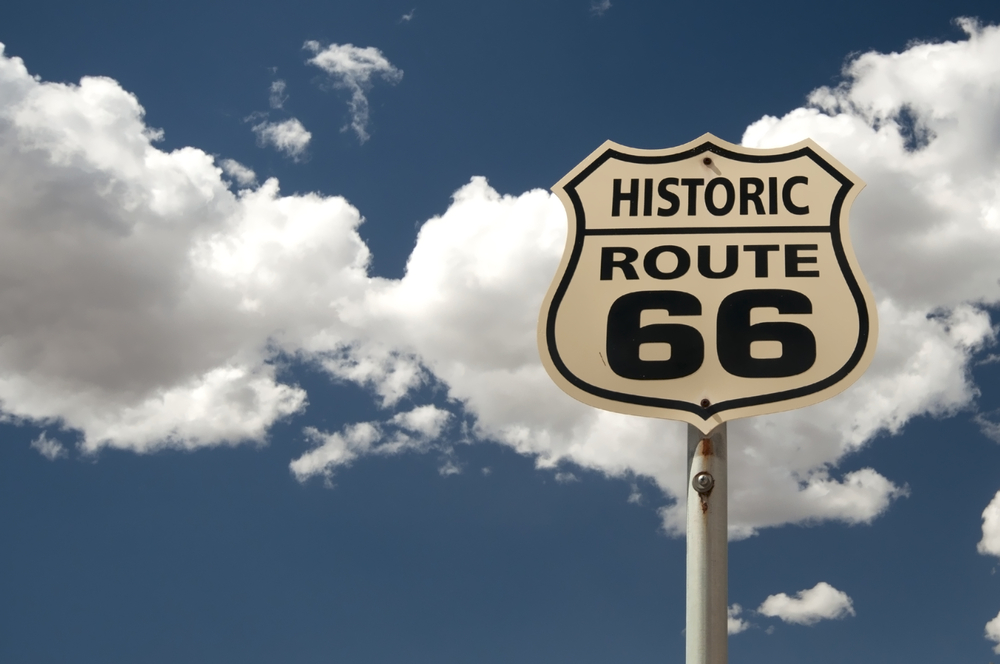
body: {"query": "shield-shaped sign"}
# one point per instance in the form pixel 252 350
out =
pixel 707 282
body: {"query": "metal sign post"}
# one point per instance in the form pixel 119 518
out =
pixel 705 283
pixel 707 547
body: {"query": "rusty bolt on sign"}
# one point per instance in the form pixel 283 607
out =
pixel 703 482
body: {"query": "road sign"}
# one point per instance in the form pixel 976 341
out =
pixel 707 282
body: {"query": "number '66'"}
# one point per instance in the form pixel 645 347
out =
pixel 687 346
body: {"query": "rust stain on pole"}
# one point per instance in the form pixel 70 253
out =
pixel 705 449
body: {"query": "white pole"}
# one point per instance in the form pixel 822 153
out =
pixel 707 547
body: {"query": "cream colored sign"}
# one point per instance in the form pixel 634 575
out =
pixel 707 282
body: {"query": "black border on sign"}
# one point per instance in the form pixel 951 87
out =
pixel 835 232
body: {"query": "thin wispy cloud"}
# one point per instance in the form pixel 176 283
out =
pixel 987 426
pixel 277 98
pixel 599 7
pixel 407 17
pixel 354 69
pixel 635 496
pixel 48 448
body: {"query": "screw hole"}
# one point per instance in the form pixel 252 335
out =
pixel 707 161
pixel 705 403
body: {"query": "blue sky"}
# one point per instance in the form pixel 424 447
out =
pixel 268 285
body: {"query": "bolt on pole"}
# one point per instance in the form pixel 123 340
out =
pixel 707 547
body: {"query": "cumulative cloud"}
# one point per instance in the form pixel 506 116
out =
pixel 808 607
pixel 993 633
pixel 990 544
pixel 145 304
pixel 289 137
pixel 353 68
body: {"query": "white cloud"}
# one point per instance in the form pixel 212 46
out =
pixel 407 17
pixel 335 449
pixel 735 624
pixel 243 175
pixel 277 96
pixel 808 607
pixel 598 7
pixel 48 448
pixel 426 421
pixel 288 136
pixel 993 632
pixel 415 430
pixel 391 374
pixel 353 68
pixel 990 544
